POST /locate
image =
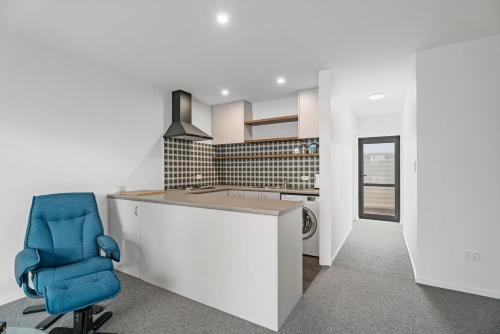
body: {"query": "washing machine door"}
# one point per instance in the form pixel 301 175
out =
pixel 309 223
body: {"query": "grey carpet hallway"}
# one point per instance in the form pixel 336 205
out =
pixel 369 289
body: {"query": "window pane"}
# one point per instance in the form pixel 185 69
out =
pixel 379 201
pixel 379 163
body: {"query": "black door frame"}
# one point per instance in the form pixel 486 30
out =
pixel 397 184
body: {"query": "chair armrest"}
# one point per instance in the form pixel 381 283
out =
pixel 26 261
pixel 109 246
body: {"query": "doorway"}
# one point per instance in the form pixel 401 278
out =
pixel 379 178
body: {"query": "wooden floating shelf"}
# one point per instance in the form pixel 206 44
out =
pixel 266 140
pixel 268 156
pixel 273 120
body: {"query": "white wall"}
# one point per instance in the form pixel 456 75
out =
pixel 338 138
pixel 325 167
pixel 458 122
pixel 67 125
pixel 409 170
pixel 275 108
pixel 379 125
pixel 343 168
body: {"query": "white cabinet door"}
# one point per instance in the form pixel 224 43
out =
pixel 155 232
pixel 235 193
pixel 228 122
pixel 270 195
pixel 218 123
pixel 309 113
pixel 251 194
pixel 125 228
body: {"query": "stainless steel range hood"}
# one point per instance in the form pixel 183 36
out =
pixel 181 127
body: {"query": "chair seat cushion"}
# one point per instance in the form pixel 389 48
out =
pixel 76 293
pixel 46 276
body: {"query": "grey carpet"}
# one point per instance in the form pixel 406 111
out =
pixel 369 289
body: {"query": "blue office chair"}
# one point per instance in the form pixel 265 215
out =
pixel 61 259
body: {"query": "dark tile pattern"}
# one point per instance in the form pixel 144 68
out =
pixel 266 171
pixel 184 160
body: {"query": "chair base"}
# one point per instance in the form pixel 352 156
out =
pixel 34 309
pixel 45 323
pixel 50 320
pixel 83 322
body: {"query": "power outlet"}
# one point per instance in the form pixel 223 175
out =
pixel 471 255
pixel 305 178
pixel 199 177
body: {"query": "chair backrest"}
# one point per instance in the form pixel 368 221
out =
pixel 64 228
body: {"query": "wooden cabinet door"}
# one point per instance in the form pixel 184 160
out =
pixel 124 226
pixel 309 113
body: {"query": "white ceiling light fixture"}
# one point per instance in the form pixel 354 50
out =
pixel 376 96
pixel 224 92
pixel 222 18
pixel 280 80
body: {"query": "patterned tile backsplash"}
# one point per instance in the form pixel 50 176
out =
pixel 266 171
pixel 184 160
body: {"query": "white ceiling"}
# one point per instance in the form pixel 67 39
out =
pixel 178 45
pixel 392 77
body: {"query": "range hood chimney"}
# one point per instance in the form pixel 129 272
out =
pixel 181 127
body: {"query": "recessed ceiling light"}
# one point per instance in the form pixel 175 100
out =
pixel 376 96
pixel 280 80
pixel 222 18
pixel 224 92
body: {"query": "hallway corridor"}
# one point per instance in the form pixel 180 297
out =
pixel 370 289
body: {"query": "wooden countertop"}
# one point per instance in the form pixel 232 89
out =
pixel 298 191
pixel 208 199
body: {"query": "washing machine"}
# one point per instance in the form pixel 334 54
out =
pixel 310 222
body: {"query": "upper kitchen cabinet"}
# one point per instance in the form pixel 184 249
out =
pixel 308 113
pixel 228 122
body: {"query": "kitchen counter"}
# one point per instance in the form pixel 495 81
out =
pixel 213 246
pixel 208 199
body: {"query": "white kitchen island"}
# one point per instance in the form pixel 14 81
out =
pixel 241 256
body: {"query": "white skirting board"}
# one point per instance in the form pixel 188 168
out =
pixel 11 297
pixel 411 257
pixel 334 255
pixel 456 287
pixel 446 285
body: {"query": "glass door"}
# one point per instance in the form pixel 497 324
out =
pixel 379 178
